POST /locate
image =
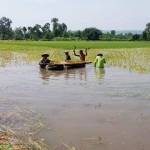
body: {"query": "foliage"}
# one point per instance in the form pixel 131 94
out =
pixel 60 31
pixel 113 32
pixel 6 147
pixel 92 34
pixel 146 33
pixel 19 34
pixel 136 37
pixel 5 28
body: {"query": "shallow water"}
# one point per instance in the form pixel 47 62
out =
pixel 87 108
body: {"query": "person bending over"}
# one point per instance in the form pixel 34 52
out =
pixel 99 61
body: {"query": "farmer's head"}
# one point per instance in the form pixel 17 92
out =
pixel 45 56
pixel 81 52
pixel 101 55
pixel 66 53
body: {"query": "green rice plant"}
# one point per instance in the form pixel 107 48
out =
pixel 134 59
pixel 6 146
pixel 44 45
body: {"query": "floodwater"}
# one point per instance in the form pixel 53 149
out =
pixel 87 108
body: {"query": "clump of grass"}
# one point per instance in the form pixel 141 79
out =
pixel 19 127
pixel 137 60
pixel 8 141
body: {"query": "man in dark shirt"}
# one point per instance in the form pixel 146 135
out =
pixel 45 61
pixel 67 56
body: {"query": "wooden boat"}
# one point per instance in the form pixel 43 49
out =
pixel 74 64
pixel 65 64
pixel 55 67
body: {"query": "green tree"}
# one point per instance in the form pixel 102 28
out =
pixel 19 34
pixel 64 29
pixel 144 36
pixel 47 34
pixel 107 36
pixel 136 37
pixel 92 34
pixel 24 29
pixel 55 26
pixel 113 33
pixel 146 33
pixel 78 34
pixel 6 31
pixel 59 30
pixel 46 28
pixel 29 32
pixel 36 32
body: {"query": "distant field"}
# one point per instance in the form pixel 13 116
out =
pixel 44 45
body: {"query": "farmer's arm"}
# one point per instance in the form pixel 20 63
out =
pixel 86 52
pixel 95 61
pixel 75 52
pixel 104 60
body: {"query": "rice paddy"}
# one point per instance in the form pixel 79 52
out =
pixel 133 59
pixel 20 126
pixel 44 45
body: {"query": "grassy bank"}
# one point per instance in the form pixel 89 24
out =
pixel 43 45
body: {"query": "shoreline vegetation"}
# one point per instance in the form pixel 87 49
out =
pixel 54 30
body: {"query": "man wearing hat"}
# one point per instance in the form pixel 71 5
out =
pixel 45 61
pixel 99 61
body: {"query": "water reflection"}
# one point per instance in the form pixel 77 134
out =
pixel 75 73
pixel 66 74
pixel 75 107
pixel 100 73
pixel 44 74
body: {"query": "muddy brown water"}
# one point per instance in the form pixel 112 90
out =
pixel 88 108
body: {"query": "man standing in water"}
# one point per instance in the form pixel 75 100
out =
pixel 45 61
pixel 81 54
pixel 99 61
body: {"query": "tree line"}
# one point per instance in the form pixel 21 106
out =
pixel 55 30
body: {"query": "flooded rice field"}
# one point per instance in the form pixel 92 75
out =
pixel 77 109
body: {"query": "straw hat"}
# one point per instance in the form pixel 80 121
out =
pixel 66 52
pixel 45 55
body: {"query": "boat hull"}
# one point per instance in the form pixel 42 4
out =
pixel 64 65
pixel 77 65
pixel 56 67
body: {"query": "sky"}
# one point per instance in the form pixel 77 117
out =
pixel 79 14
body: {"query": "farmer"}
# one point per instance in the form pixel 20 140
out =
pixel 67 56
pixel 81 54
pixel 45 61
pixel 99 61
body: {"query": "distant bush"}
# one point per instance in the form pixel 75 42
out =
pixel 66 39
